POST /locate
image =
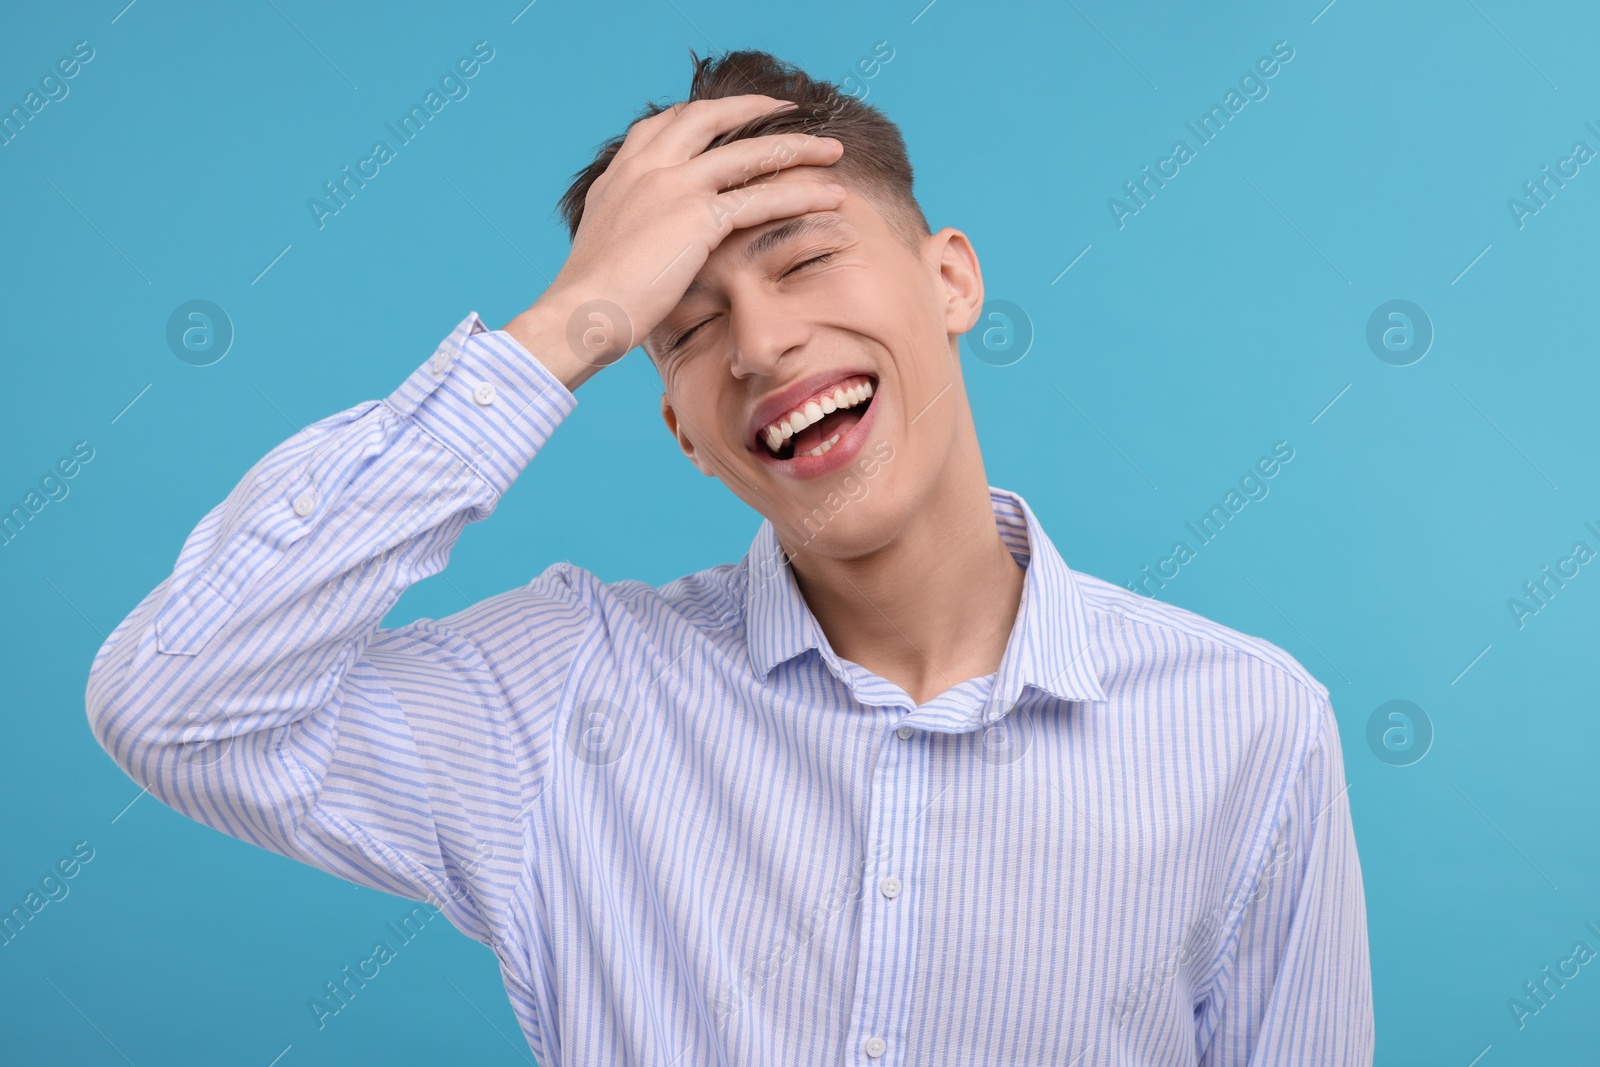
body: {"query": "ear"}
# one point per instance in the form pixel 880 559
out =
pixel 670 417
pixel 962 279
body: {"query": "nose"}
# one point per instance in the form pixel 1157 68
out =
pixel 762 331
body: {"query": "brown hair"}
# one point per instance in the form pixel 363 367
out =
pixel 874 158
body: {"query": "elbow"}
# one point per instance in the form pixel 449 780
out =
pixel 155 711
pixel 103 700
pixel 122 699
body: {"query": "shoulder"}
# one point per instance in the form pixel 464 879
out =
pixel 710 599
pixel 567 612
pixel 1262 719
pixel 1204 642
pixel 543 620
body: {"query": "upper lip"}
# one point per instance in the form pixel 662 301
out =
pixel 776 405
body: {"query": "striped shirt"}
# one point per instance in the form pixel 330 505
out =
pixel 692 833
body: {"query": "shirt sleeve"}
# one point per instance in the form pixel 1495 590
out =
pixel 254 691
pixel 1296 983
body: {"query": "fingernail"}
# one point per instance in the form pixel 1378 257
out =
pixel 836 187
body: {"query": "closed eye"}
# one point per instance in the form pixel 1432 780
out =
pixel 676 342
pixel 814 259
pixel 673 345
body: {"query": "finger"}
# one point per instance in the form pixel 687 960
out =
pixel 739 208
pixel 739 162
pixel 644 130
pixel 733 109
pixel 697 123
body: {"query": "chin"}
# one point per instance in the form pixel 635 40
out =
pixel 844 516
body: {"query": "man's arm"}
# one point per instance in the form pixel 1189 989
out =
pixel 253 690
pixel 1296 984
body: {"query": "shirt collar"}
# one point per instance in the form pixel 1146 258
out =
pixel 1049 645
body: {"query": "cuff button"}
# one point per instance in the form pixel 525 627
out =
pixel 305 504
pixel 483 394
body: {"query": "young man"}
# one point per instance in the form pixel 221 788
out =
pixel 898 787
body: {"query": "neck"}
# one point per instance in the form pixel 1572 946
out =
pixel 934 606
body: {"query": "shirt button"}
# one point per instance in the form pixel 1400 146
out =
pixel 890 887
pixel 875 1046
pixel 441 360
pixel 483 394
pixel 305 504
pixel 904 733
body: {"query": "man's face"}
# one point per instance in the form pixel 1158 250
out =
pixel 787 312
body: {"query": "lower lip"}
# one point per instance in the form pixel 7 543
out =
pixel 839 456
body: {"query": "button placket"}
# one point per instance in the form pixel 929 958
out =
pixel 887 932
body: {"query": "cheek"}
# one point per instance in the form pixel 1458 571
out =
pixel 896 297
pixel 697 404
pixel 863 301
pixel 683 379
pixel 668 374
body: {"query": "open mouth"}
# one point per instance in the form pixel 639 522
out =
pixel 814 428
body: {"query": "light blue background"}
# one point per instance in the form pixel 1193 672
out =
pixel 1225 316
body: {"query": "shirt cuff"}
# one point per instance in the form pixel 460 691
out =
pixel 487 399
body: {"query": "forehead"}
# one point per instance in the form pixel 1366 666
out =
pixel 753 242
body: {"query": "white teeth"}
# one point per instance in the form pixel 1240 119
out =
pixel 814 410
pixel 823 447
